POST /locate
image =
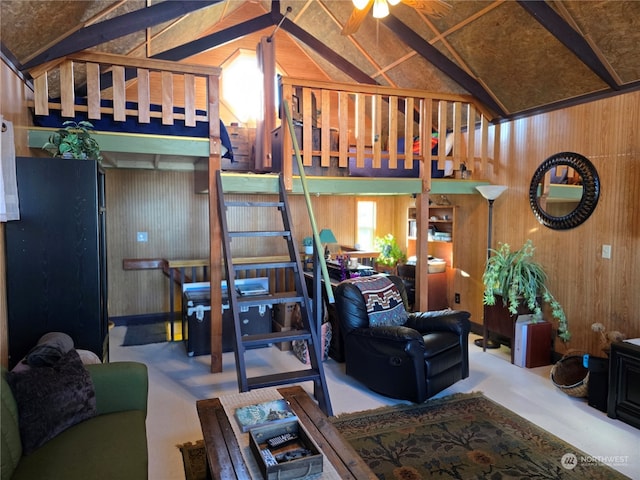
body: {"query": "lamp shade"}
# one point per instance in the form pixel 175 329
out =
pixel 327 236
pixel 491 192
pixel 380 8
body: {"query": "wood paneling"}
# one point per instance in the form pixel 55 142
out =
pixel 590 288
pixel 161 203
pixel 13 98
pixel 156 202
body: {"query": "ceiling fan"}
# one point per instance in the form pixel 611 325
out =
pixel 434 8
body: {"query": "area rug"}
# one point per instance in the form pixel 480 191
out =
pixel 145 333
pixel 462 436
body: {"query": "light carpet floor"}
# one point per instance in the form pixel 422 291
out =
pixel 178 381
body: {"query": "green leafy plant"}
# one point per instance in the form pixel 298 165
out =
pixel 390 253
pixel 74 140
pixel 515 277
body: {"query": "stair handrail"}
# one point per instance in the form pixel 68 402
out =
pixel 314 228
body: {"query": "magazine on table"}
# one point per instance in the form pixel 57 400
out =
pixel 266 413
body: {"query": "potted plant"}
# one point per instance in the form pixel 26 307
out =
pixel 390 253
pixel 515 277
pixel 307 243
pixel 74 140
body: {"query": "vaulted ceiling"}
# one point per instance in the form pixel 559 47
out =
pixel 516 57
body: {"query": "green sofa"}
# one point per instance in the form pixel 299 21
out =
pixel 111 445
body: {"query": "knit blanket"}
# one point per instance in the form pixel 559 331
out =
pixel 383 300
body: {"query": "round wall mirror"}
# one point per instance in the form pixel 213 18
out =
pixel 564 190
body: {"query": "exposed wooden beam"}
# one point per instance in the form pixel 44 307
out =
pixel 328 54
pixel 117 27
pixel 559 28
pixel 218 38
pixel 197 46
pixel 96 18
pixel 441 62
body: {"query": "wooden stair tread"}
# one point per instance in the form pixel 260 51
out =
pixel 259 233
pixel 272 299
pixel 265 339
pixel 283 378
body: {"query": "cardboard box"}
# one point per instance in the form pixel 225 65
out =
pixel 284 346
pixel 283 313
pixel 287 469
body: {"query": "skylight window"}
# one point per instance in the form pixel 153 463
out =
pixel 242 86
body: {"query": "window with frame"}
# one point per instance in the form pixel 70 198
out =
pixel 366 221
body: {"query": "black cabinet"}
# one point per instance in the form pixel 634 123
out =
pixel 56 256
pixel 624 383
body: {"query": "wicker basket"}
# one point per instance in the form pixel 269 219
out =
pixel 570 375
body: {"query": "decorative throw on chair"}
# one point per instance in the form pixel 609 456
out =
pixel 383 300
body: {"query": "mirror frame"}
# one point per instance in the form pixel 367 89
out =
pixel 590 191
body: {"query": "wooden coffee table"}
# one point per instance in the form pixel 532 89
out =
pixel 224 452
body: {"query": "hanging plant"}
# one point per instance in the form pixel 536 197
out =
pixel 515 277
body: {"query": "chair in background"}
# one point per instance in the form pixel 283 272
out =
pixel 410 356
pixel 408 275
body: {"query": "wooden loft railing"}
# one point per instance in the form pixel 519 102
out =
pixel 169 84
pixel 156 84
pixel 369 121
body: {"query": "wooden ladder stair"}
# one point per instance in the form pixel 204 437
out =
pixel 309 332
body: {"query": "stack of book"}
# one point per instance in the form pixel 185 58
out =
pixel 532 342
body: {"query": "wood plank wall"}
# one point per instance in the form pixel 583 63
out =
pixel 13 98
pixel 590 288
pixel 152 201
pixel 163 204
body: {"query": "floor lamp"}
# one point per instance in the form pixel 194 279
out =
pixel 490 192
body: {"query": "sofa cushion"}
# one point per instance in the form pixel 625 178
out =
pixel 11 446
pixel 51 399
pixel 106 447
pixel 383 301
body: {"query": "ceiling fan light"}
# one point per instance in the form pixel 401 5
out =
pixel 380 9
pixel 393 3
pixel 360 4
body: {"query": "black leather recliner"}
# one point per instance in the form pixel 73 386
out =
pixel 411 362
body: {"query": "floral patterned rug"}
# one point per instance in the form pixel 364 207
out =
pixel 463 436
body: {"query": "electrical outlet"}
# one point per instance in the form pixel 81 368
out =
pixel 606 251
pixel 457 297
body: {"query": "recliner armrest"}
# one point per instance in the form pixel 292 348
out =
pixel 393 340
pixel 456 321
pixel 401 334
pixel 120 386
